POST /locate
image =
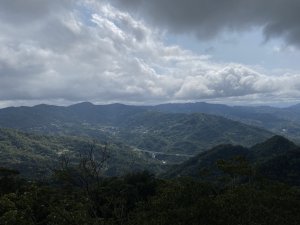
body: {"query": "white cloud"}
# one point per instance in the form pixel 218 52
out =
pixel 92 51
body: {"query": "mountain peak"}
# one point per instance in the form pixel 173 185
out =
pixel 278 140
pixel 276 145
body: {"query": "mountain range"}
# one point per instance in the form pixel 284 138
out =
pixel 283 121
pixel 147 137
pixel 143 127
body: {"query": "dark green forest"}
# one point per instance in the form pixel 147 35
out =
pixel 78 196
pixel 225 185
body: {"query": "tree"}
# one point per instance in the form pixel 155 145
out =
pixel 237 168
pixel 86 174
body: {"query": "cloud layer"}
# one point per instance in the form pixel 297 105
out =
pixel 208 18
pixel 69 51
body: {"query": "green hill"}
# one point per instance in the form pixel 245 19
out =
pixel 282 121
pixel 274 146
pixel 206 162
pixel 187 134
pixel 35 155
pixel 277 159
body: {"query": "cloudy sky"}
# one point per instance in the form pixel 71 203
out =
pixel 148 52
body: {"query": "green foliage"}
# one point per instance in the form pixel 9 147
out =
pixel 277 158
pixel 142 199
pixel 36 155
pixel 237 166
pixel 190 202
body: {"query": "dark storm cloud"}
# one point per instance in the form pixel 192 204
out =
pixel 208 18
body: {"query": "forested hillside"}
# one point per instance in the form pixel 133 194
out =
pixel 141 198
pixel 36 155
pixel 138 126
pixel 283 121
pixel 277 159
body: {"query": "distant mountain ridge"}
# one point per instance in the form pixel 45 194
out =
pixel 283 121
pixel 142 127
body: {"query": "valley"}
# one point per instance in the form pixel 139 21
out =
pixel 151 139
pixel 112 164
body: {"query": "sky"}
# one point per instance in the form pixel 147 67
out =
pixel 236 52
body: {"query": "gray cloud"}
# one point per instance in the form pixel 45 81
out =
pixel 20 13
pixel 208 18
pixel 88 50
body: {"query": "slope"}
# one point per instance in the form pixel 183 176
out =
pixel 186 133
pixel 283 121
pixel 35 155
pixel 277 159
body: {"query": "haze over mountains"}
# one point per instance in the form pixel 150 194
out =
pixel 284 121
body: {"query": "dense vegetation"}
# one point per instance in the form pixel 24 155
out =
pixel 277 159
pixel 36 155
pixel 227 185
pixel 143 199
